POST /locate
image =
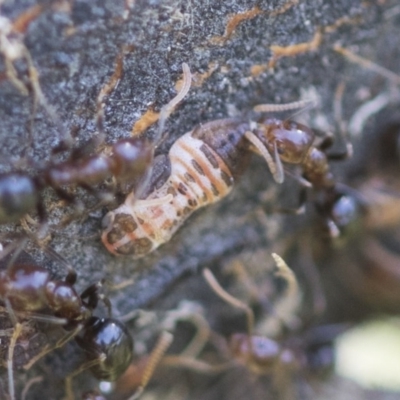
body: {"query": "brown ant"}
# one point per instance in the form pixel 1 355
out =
pixel 128 162
pixel 28 290
pixel 259 354
pixel 21 193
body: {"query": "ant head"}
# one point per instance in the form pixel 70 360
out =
pixel 290 139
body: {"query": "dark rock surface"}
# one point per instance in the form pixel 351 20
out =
pixel 227 46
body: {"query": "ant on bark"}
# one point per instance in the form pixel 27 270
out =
pixel 126 163
pixel 28 291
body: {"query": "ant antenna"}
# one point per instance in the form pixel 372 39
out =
pixel 275 167
pixel 167 109
pixel 224 295
pixel 285 107
pixel 157 353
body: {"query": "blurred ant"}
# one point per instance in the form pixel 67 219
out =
pixel 27 290
pixel 128 162
pixel 311 352
pixel 20 193
pixel 364 261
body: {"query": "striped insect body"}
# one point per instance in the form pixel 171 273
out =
pixel 201 168
pixel 199 176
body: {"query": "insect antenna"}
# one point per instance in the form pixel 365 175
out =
pixel 224 295
pixel 274 163
pixel 169 107
pixel 309 103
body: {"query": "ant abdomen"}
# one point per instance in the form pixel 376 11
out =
pixel 110 339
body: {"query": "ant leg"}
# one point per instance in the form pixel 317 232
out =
pixel 71 276
pixel 91 293
pixel 195 365
pixel 48 349
pixel 224 295
pixel 153 361
pixel 68 380
pixel 327 142
pixel 29 384
pixel 14 337
pixel 187 358
pixel 197 344
pixel 18 245
pixel 368 64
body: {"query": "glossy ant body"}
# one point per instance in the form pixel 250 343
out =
pixel 20 193
pixel 27 290
pixel 203 165
pixel 127 163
